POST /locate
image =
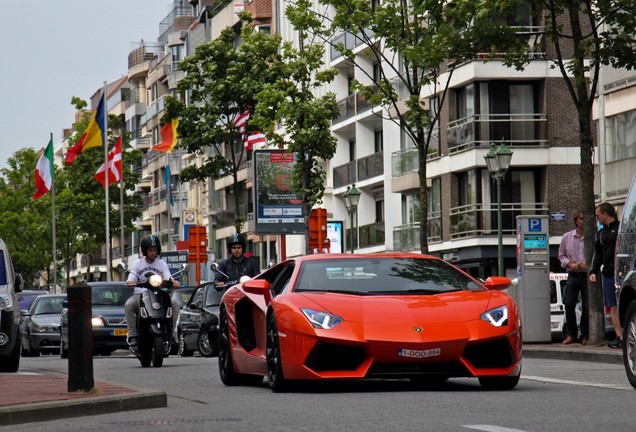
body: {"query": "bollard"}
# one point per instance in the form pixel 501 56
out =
pixel 80 339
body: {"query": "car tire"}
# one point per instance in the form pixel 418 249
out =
pixel 11 363
pixel 183 352
pixel 30 352
pixel 629 343
pixel 63 348
pixel 204 345
pixel 277 381
pixel 228 374
pixel 499 383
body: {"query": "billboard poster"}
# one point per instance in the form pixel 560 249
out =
pixel 278 209
pixel 335 234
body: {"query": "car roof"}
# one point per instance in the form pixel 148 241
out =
pixel 342 256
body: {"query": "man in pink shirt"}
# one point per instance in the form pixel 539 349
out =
pixel 572 258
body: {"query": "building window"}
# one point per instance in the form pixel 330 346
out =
pixel 352 150
pixel 379 210
pixel 378 141
pixel 466 188
pixel 620 135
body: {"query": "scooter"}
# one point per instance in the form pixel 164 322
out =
pixel 154 322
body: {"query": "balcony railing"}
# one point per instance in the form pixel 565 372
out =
pixel 153 109
pixel 371 166
pixel 354 104
pixel 349 40
pixel 344 175
pixel 372 234
pixel 480 129
pixel 477 220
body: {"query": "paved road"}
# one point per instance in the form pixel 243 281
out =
pixel 552 395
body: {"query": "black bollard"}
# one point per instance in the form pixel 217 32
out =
pixel 80 339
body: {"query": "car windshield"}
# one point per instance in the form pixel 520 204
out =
pixel 181 296
pixel 213 298
pixel 110 294
pixel 377 276
pixel 49 305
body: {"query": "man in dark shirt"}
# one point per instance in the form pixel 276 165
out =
pixel 237 264
pixel 604 250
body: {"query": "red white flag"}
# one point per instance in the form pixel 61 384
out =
pixel 257 137
pixel 114 166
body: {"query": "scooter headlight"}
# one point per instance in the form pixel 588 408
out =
pixel 155 280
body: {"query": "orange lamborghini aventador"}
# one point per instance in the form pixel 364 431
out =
pixel 346 317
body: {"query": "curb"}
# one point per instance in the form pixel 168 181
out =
pixel 55 410
pixel 591 354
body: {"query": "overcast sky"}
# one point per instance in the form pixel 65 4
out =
pixel 56 49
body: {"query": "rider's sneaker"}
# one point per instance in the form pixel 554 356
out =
pixel 132 342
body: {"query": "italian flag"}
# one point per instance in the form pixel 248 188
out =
pixel 44 172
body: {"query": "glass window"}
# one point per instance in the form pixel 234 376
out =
pixel 621 136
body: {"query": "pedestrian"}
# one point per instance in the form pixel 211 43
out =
pixel 572 258
pixel 603 262
pixel 141 270
pixel 238 264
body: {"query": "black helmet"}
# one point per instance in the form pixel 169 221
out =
pixel 235 238
pixel 150 241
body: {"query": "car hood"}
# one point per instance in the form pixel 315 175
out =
pixel 46 319
pixel 108 310
pixel 459 306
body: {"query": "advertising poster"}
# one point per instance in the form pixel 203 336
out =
pixel 278 210
pixel 335 234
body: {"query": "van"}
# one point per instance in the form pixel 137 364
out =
pixel 10 339
pixel 625 273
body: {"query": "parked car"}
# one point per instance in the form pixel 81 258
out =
pixel 41 325
pixel 625 271
pixel 26 297
pixel 196 328
pixel 328 317
pixel 108 318
pixel 180 295
pixel 11 284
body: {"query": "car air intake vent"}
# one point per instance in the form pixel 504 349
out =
pixel 116 320
pixel 331 357
pixel 492 354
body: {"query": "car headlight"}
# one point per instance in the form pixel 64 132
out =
pixel 320 319
pixel 97 322
pixel 6 302
pixel 497 316
pixel 44 329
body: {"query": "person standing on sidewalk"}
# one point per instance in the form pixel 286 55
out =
pixel 572 258
pixel 604 250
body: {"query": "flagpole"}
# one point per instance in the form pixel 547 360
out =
pixel 122 237
pixel 53 223
pixel 106 198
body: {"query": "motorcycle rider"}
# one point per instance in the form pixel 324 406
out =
pixel 237 264
pixel 141 270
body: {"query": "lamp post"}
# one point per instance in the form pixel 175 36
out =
pixel 352 198
pixel 498 161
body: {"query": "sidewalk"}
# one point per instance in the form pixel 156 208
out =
pixel 26 397
pixel 39 397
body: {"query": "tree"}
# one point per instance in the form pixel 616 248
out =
pixel 290 101
pixel 587 35
pixel 221 80
pixel 417 47
pixel 30 246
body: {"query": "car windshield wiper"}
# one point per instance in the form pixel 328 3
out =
pixel 337 291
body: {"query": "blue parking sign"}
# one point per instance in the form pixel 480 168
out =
pixel 534 225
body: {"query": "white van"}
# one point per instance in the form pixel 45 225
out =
pixel 557 308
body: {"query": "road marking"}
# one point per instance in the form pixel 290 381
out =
pixel 578 383
pixel 492 428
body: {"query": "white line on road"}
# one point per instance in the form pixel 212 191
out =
pixel 492 428
pixel 578 383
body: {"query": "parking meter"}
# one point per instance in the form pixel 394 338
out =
pixel 533 272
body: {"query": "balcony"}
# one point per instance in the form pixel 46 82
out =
pixel 480 130
pixel 407 237
pixel 370 166
pixel 344 175
pixel 478 220
pixel 349 41
pixel 153 110
pixel 354 104
pixel 371 235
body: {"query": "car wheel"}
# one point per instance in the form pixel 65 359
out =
pixel 11 363
pixel 30 352
pixel 629 343
pixel 499 383
pixel 204 346
pixel 275 377
pixel 183 352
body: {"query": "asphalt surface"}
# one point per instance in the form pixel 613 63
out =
pixel 28 397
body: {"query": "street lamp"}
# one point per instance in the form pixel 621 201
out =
pixel 352 198
pixel 498 162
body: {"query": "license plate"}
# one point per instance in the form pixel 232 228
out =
pixel 120 332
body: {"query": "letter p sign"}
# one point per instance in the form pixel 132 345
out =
pixel 534 225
